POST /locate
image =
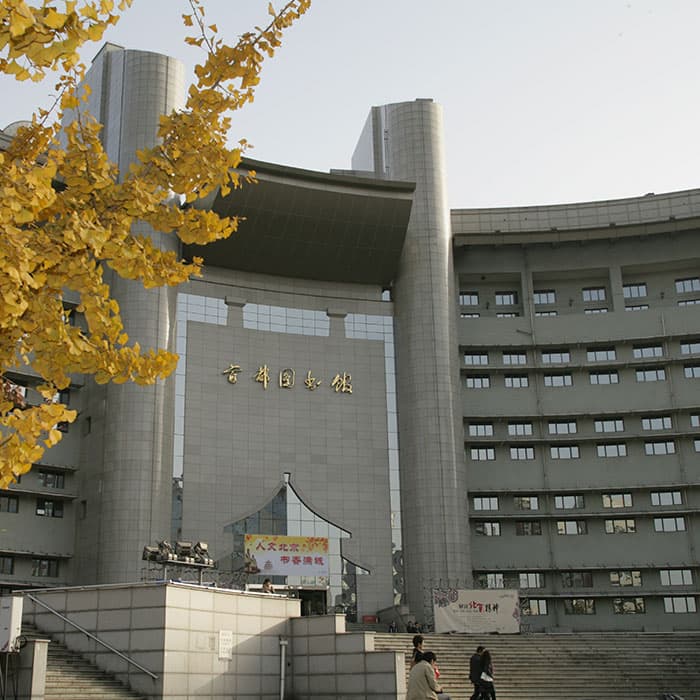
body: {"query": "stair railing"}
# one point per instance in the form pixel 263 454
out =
pixel 92 636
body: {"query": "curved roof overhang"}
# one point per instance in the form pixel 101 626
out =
pixel 311 225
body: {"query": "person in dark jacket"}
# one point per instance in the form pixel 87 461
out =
pixel 486 687
pixel 475 671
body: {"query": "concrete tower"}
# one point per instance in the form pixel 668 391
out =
pixel 126 460
pixel 404 142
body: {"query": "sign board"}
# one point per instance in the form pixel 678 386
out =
pixel 284 555
pixel 489 610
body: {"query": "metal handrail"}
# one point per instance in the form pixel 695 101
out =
pixel 92 636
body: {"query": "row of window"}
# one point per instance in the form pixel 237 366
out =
pixel 492 528
pixel 581 579
pixel 44 506
pixel 563 355
pixel 543 297
pixel 563 379
pixel 575 501
pixel 588 311
pixel 653 448
pixel 45 568
pixel 569 426
pixel 621 606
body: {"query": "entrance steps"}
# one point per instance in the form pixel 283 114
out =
pixel 574 666
pixel 70 677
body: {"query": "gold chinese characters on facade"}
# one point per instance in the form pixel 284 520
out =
pixel 341 383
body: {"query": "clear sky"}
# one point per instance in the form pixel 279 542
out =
pixel 545 101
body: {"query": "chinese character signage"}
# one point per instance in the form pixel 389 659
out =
pixel 458 610
pixel 283 555
pixel 341 383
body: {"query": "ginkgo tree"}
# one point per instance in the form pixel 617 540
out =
pixel 66 214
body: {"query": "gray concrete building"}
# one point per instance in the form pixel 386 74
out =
pixel 487 397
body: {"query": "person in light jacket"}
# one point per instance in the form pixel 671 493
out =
pixel 422 684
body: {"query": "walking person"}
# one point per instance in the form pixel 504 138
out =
pixel 486 687
pixel 417 650
pixel 422 684
pixel 475 672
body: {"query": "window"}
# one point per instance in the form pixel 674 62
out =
pixel 482 454
pixel 624 579
pixel 669 524
pixel 691 371
pixel 688 302
pixel 656 423
pixel 519 428
pixel 478 381
pixel 651 374
pixel 617 500
pixel 7 565
pixel 522 452
pixel 476 358
pixel 576 579
pixel 533 606
pixel 610 377
pixel 469 298
pixel 579 606
pixel 485 502
pixel 634 291
pixel 545 313
pixel 695 421
pixel 47 568
pixel 696 445
pixel 564 451
pixel 9 504
pixel 680 604
pixel 619 526
pixel 628 606
pixel 506 298
pixel 689 284
pixel 481 429
pixel 526 503
pixel 593 294
pixel 528 527
pixel 612 449
pixel 557 380
pixel 531 580
pixel 488 528
pixel 666 498
pixel 572 527
pixel 660 447
pixel 646 351
pixel 556 357
pixel 516 381
pixel 565 427
pixel 691 347
pixel 51 480
pixel 600 310
pixel 514 358
pixel 601 354
pixel 569 502
pixel 637 307
pixel 609 425
pixel 676 577
pixel 469 315
pixel 489 580
pixel 507 314
pixel 544 296
pixel 48 508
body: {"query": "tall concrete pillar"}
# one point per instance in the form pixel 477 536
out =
pixel 404 141
pixel 126 463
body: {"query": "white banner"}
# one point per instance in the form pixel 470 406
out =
pixel 490 610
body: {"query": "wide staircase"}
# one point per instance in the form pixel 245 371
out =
pixel 581 666
pixel 70 677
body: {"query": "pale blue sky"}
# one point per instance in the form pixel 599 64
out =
pixel 545 101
